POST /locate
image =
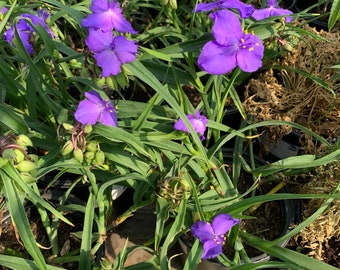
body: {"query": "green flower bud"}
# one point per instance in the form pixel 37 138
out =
pixel 26 166
pixel 100 82
pixel 89 157
pixel 28 178
pixel 173 4
pixel 24 141
pixel 62 116
pixel 9 153
pixel 87 128
pixel 67 126
pixel 19 156
pixel 100 157
pixel 75 64
pixel 67 148
pixel 92 146
pixel 78 155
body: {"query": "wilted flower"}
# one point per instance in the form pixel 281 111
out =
pixel 212 236
pixel 272 9
pixel 94 108
pixel 199 123
pixel 232 47
pixel 110 51
pixel 25 30
pixel 107 15
pixel 245 10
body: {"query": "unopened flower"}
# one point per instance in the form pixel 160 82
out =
pixel 245 10
pixel 107 16
pixel 94 109
pixel 26 31
pixel 110 51
pixel 199 123
pixel 272 9
pixel 232 47
pixel 212 235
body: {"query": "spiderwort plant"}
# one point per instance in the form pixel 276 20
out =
pixel 110 50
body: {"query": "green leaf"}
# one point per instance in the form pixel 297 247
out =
pixel 285 254
pixel 334 15
pixel 12 120
pixel 21 263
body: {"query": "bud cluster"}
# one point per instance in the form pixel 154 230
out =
pixel 87 153
pixel 14 149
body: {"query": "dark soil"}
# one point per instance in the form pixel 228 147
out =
pixel 67 242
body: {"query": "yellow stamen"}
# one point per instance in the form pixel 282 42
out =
pixel 242 40
pixel 251 49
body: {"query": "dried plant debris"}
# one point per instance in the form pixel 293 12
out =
pixel 290 96
pixel 321 239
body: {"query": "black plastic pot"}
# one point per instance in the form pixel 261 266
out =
pixel 319 23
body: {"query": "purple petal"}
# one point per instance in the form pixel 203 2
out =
pixel 87 112
pixel 245 10
pixel 283 12
pixel 109 117
pixel 249 58
pixel 107 16
pixel 94 97
pixel 199 122
pixel 227 27
pixel 208 6
pixel 223 223
pixel 203 231
pixel 125 50
pixel 216 59
pixel 179 125
pixel 264 13
pixel 98 40
pixel 211 249
pixel 109 63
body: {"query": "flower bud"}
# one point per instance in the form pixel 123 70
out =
pixel 67 126
pixel 9 153
pixel 67 148
pixel 87 128
pixel 62 116
pixel 26 166
pixel 28 178
pixel 92 146
pixel 78 155
pixel 19 156
pixel 24 141
pixel 89 157
pixel 100 157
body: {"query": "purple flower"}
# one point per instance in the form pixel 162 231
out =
pixel 232 47
pixel 245 10
pixel 26 31
pixel 107 15
pixel 272 9
pixel 94 108
pixel 199 123
pixel 110 51
pixel 212 236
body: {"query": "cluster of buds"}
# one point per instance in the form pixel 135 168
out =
pixel 173 189
pixel 14 148
pixel 87 153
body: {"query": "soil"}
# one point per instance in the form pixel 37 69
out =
pixel 67 242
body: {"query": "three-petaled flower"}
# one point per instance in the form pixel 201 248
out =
pixel 25 30
pixel 212 235
pixel 110 51
pixel 245 10
pixel 232 47
pixel 272 9
pixel 107 16
pixel 95 108
pixel 199 123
